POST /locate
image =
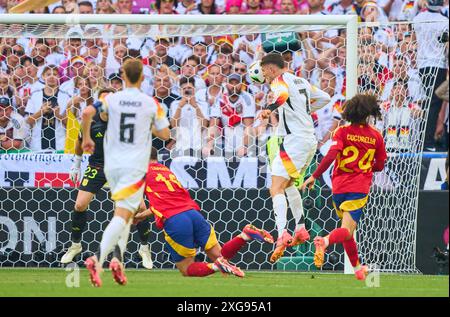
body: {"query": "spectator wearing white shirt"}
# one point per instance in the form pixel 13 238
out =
pixel 55 55
pixel 7 87
pixel 401 70
pixel 76 69
pixel 187 7
pixel 124 6
pixel 159 56
pixel 212 95
pixel 82 98
pixel 71 6
pixel 328 117
pixel 162 84
pixel 189 120
pixel 341 7
pixel 411 8
pixel 28 83
pixel 372 12
pixel 3 6
pixel 116 53
pixel 236 111
pixel 189 69
pixel 14 131
pixel 399 115
pixel 163 90
pixel 204 51
pixel 392 8
pixel 104 7
pixel 215 89
pixel 246 47
pixel 46 114
pixel 13 53
pixel 432 39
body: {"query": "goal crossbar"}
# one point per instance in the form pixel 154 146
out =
pixel 233 19
pixel 350 22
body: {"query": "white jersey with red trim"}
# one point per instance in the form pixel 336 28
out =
pixel 296 99
pixel 128 138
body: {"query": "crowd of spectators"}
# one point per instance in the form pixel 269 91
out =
pixel 203 82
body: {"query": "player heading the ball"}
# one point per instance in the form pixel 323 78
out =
pixel 294 99
pixel 131 117
pixel 358 150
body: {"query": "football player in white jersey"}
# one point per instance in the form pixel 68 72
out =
pixel 132 116
pixel 295 99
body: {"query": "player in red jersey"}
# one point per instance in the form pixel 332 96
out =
pixel 185 229
pixel 358 150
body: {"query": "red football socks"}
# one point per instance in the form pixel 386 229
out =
pixel 352 251
pixel 232 247
pixel 338 235
pixel 199 269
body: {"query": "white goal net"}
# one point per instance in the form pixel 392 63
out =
pixel 199 73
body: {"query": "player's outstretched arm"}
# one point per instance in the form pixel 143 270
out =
pixel 319 98
pixel 323 166
pixel 280 94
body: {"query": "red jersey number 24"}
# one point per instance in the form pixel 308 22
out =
pixel 351 154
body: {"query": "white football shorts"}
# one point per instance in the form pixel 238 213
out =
pixel 127 187
pixel 294 157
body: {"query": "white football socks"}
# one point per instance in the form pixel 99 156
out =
pixel 280 209
pixel 123 240
pixel 110 237
pixel 296 204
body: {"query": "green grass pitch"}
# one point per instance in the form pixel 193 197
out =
pixel 162 283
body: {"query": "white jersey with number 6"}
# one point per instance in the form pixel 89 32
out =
pixel 128 139
pixel 296 99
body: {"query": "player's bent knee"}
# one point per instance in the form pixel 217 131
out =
pixel 84 198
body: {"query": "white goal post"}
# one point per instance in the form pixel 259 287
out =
pixel 396 256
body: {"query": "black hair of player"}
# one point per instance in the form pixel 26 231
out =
pixel 273 59
pixel 359 108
